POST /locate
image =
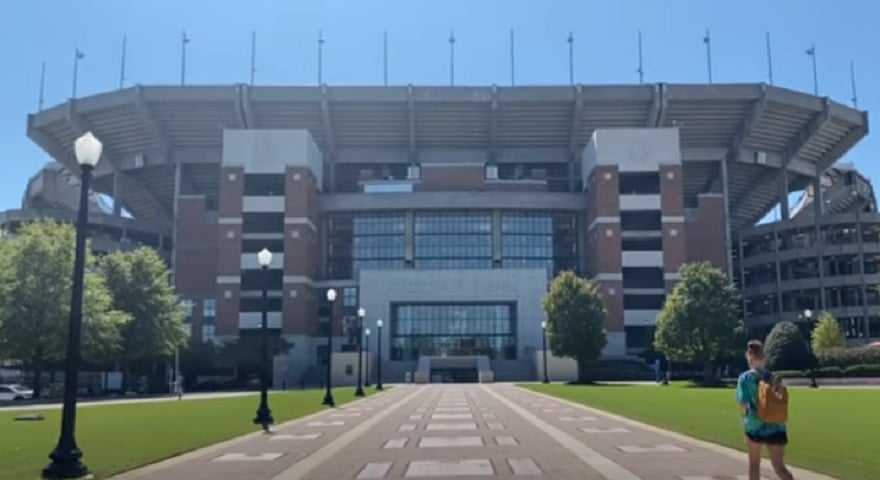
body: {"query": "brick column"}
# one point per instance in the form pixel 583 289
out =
pixel 603 247
pixel 229 231
pixel 672 213
pixel 302 251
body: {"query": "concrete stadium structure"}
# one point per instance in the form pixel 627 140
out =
pixel 445 210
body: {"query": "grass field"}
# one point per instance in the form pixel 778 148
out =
pixel 831 431
pixel 116 438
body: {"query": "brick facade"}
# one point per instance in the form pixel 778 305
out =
pixel 302 252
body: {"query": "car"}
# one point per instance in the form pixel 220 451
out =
pixel 15 393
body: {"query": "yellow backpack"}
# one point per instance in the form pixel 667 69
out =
pixel 772 402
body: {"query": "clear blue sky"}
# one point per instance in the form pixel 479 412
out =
pixel 605 33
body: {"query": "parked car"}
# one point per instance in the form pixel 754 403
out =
pixel 15 393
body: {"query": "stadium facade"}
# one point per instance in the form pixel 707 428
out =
pixel 445 211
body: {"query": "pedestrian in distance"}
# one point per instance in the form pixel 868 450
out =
pixel 763 401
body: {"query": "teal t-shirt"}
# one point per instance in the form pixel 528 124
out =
pixel 747 393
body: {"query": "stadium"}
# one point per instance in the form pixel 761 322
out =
pixel 445 211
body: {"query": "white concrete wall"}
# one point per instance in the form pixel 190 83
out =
pixel 558 369
pixel 616 346
pixel 631 149
pixel 640 318
pixel 341 360
pixel 640 202
pixel 271 151
pixel 250 261
pixel 642 258
pixel 262 204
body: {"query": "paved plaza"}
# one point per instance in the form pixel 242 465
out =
pixel 460 432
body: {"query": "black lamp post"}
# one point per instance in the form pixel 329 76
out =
pixel 544 346
pixel 359 392
pixel 328 395
pixel 264 415
pixel 808 315
pixel 66 455
pixel 367 351
pixel 379 359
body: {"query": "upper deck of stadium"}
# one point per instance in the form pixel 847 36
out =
pixel 749 130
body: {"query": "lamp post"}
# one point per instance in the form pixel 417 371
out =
pixel 66 455
pixel 808 314
pixel 544 346
pixel 359 392
pixel 367 351
pixel 264 415
pixel 379 359
pixel 328 395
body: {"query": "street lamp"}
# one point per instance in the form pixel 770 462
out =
pixel 264 415
pixel 66 455
pixel 808 314
pixel 544 343
pixel 328 395
pixel 359 392
pixel 367 351
pixel 379 359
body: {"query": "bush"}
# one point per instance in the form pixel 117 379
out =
pixel 828 372
pixel 847 357
pixel 786 348
pixel 862 371
pixel 791 374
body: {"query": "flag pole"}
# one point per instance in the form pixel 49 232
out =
pixel 76 57
pixel 184 40
pixel 42 87
pixel 452 58
pixel 708 41
pixel 812 53
pixel 320 57
pixel 253 55
pixel 769 60
pixel 122 63
pixel 641 69
pixel 852 79
pixel 385 58
pixel 570 41
pixel 512 59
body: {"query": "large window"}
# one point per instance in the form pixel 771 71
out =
pixel 453 240
pixel 539 240
pixel 453 330
pixel 372 242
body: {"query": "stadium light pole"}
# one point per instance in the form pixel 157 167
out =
pixel 544 343
pixel 328 394
pixel 379 359
pixel 66 456
pixel 359 391
pixel 264 415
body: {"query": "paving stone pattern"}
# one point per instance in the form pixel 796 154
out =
pixel 458 432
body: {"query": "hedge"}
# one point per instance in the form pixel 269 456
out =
pixel 847 357
pixel 853 371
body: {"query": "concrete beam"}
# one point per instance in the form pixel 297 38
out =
pixel 797 144
pixel 848 141
pixel 576 120
pixel 493 125
pixel 756 111
pixel 411 114
pixel 659 103
pixel 149 119
pixel 327 124
pixel 81 126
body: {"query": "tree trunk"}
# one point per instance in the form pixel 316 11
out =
pixel 37 366
pixel 708 373
pixel 582 372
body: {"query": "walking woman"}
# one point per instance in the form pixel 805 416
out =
pixel 762 411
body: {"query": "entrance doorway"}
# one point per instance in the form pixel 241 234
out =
pixel 454 375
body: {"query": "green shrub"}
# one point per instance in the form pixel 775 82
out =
pixel 791 374
pixel 862 371
pixel 786 349
pixel 847 357
pixel 828 372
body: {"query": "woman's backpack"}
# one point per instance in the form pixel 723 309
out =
pixel 772 401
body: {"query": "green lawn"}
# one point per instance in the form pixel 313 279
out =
pixel 832 431
pixel 116 438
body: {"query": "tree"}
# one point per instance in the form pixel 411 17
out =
pixel 700 321
pixel 827 335
pixel 575 320
pixel 786 349
pixel 140 285
pixel 36 268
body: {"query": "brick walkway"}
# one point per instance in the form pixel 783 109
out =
pixel 463 432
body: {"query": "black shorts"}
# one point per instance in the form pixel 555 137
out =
pixel 775 438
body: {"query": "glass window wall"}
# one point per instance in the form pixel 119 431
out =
pixel 453 240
